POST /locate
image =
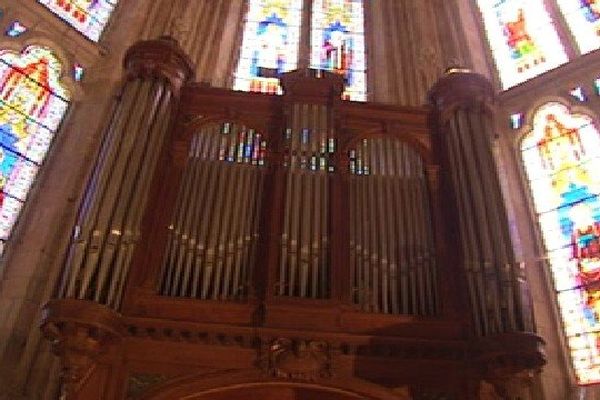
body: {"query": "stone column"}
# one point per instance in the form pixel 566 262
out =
pixel 83 318
pixel 501 316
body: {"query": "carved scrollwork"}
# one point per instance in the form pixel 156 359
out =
pixel 79 332
pixel 306 360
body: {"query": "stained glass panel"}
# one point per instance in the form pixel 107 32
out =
pixel 338 43
pixel 87 16
pixel 15 29
pixel 32 105
pixel 583 18
pixel 522 37
pixel 269 44
pixel 562 159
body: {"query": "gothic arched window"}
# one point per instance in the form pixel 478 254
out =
pixel 522 38
pixel 269 45
pixel 32 105
pixel 273 36
pixel 561 155
pixel 87 16
pixel 338 43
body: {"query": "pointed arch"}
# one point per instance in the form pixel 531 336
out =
pixel 33 103
pixel 338 43
pixel 522 37
pixel 561 157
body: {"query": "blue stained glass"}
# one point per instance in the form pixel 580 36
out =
pixel 32 105
pixel 562 156
pixel 78 72
pixel 269 46
pixel 338 43
pixel 16 29
pixel 522 37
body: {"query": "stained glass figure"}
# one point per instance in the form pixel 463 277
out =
pixel 32 105
pixel 87 16
pixel 583 18
pixel 338 43
pixel 269 45
pixel 15 29
pixel 562 159
pixel 522 37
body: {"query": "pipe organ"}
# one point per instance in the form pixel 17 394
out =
pixel 294 246
pixel 309 148
pixel 213 234
pixel 392 253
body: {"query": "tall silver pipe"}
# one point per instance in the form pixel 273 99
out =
pixel 219 214
pixel 462 102
pixel 98 260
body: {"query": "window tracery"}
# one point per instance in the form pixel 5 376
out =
pixel 561 156
pixel 272 38
pixel 583 18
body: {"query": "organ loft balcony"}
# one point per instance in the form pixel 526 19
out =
pixel 298 239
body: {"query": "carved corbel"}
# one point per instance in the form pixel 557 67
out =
pixel 79 333
pixel 306 360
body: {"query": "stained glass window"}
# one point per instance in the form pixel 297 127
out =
pixel 522 37
pixel 338 43
pixel 32 105
pixel 269 45
pixel 583 18
pixel 87 16
pixel 562 159
pixel 15 29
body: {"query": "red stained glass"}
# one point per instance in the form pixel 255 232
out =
pixel 562 156
pixel 32 105
pixel 87 16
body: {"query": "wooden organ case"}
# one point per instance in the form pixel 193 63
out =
pixel 239 245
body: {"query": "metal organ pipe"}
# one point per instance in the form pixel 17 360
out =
pixel 110 216
pixel 391 245
pixel 215 221
pixel 498 296
pixel 304 255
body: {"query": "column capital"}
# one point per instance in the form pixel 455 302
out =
pixel 461 88
pixel 162 57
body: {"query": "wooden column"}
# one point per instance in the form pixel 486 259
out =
pixel 108 226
